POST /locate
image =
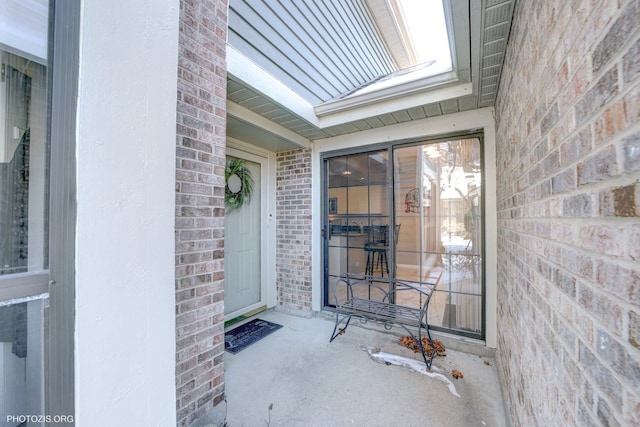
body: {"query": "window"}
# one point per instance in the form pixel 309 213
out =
pixel 423 29
pixel 412 211
pixel 24 211
pixel 438 202
pixel 38 105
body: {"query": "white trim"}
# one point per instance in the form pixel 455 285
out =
pixel 346 113
pixel 491 233
pixel 475 120
pixel 248 72
pixel 266 125
pixel 44 295
pixel 234 144
pixel 429 127
pixel 388 91
pixel 20 285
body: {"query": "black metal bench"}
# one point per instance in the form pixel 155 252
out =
pixel 374 298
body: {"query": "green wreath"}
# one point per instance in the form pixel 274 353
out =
pixel 238 184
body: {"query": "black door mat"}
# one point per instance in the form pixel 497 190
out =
pixel 243 336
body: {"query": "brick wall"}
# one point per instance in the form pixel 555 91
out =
pixel 293 231
pixel 201 130
pixel 568 136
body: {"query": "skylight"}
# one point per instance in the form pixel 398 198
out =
pixel 427 30
pixel 423 29
pixel 416 33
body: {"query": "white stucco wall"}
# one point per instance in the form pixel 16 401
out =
pixel 125 310
pixel 431 127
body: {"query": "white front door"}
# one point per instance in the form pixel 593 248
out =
pixel 242 256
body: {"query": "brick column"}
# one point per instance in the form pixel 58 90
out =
pixel 201 130
pixel 293 231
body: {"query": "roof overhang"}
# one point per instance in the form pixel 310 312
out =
pixel 260 99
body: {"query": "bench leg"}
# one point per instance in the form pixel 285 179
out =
pixel 428 360
pixel 339 331
pixel 417 337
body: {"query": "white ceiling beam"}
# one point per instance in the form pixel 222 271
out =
pixel 265 124
pixel 250 73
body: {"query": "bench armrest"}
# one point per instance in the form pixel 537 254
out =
pixel 386 289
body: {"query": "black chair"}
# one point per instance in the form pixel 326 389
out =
pixel 377 248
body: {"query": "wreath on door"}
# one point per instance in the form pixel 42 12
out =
pixel 238 184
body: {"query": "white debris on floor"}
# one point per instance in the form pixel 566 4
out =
pixel 394 359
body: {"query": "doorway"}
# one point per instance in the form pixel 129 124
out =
pixel 243 267
pixel 420 205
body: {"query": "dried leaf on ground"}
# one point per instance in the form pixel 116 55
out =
pixel 410 343
pixel 457 374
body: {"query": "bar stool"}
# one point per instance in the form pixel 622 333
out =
pixel 377 248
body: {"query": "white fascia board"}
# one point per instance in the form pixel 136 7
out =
pixel 428 127
pixel 257 120
pixel 389 89
pixel 401 102
pixel 258 78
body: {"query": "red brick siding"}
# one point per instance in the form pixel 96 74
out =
pixel 568 142
pixel 201 130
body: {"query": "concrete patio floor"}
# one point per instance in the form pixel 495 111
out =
pixel 295 377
